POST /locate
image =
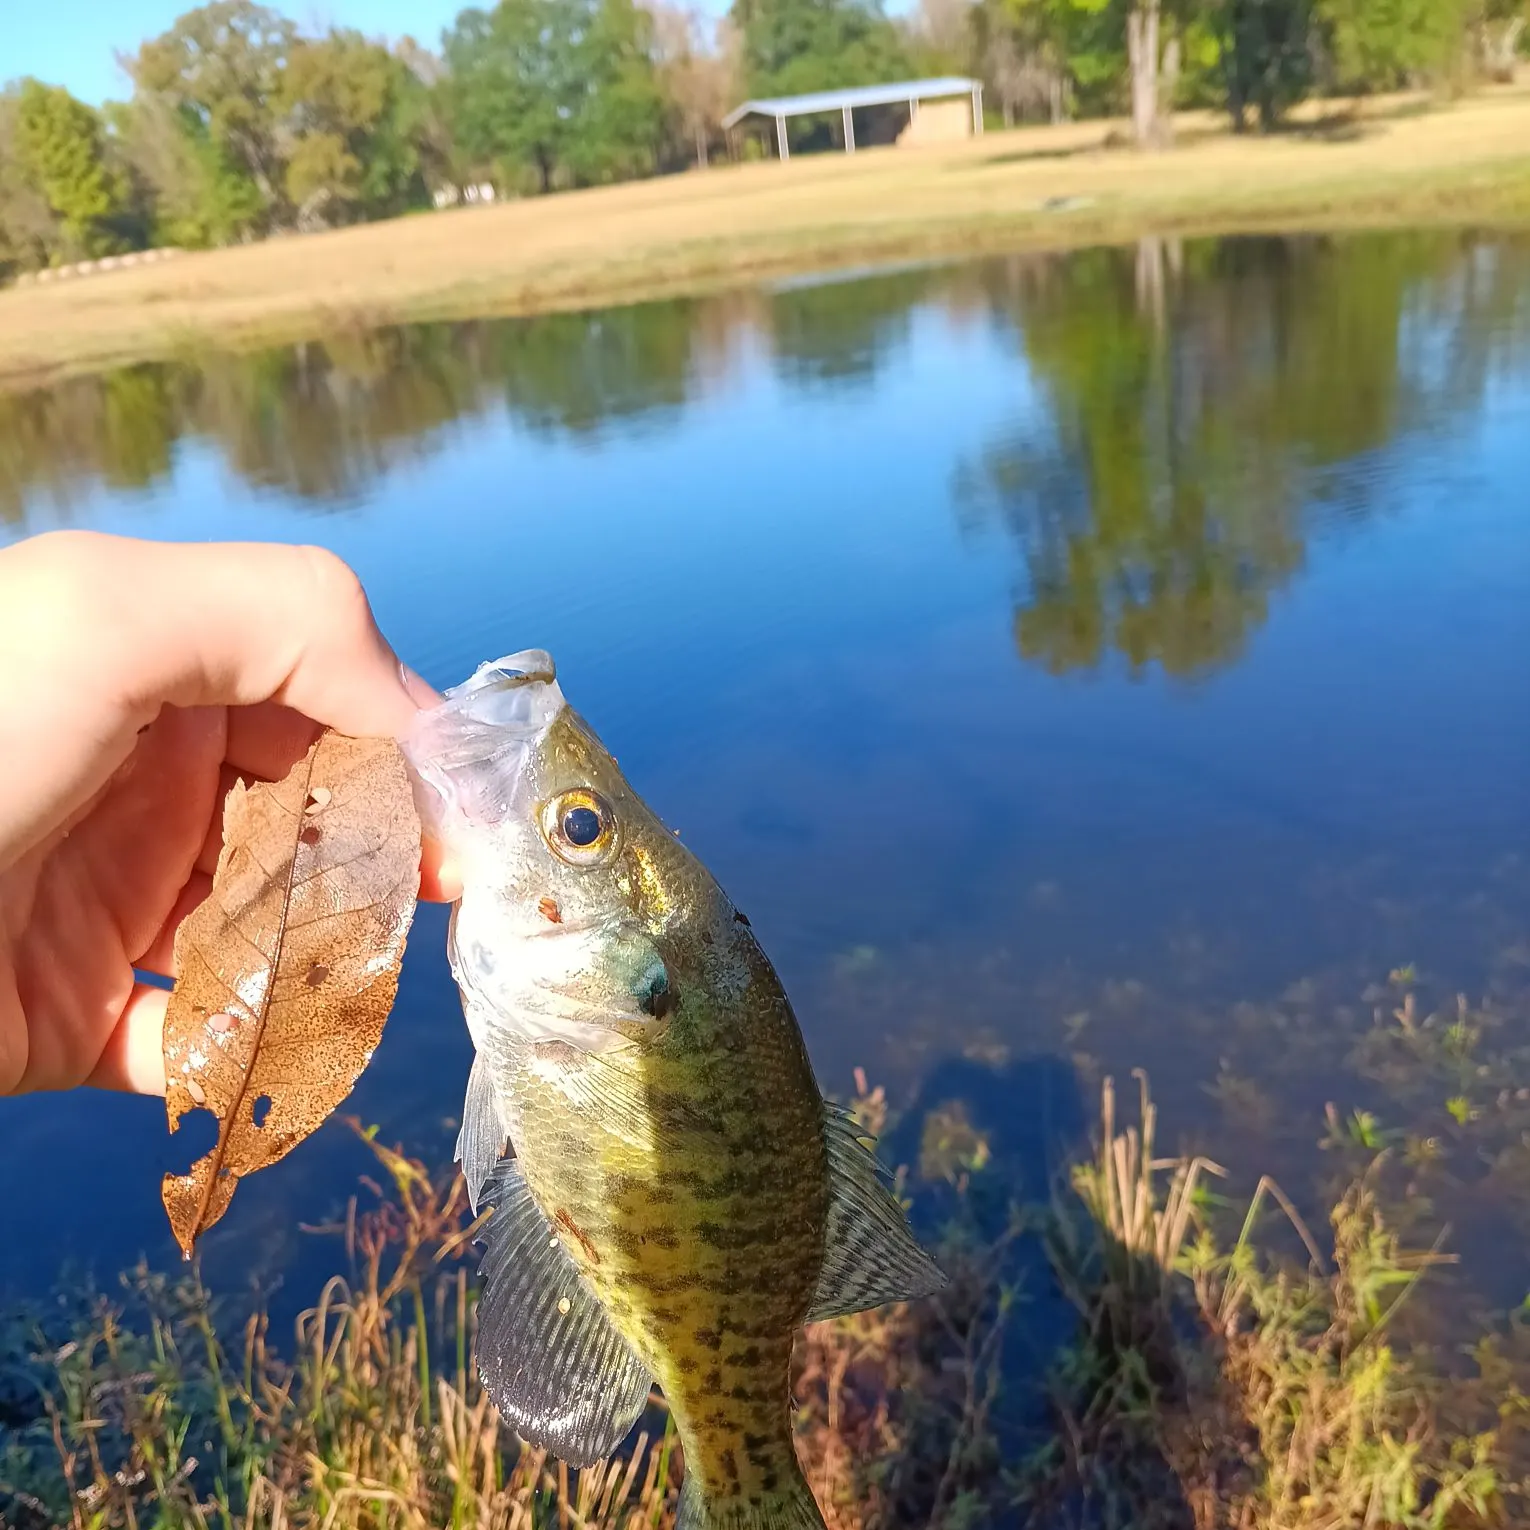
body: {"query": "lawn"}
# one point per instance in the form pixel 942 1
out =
pixel 1399 161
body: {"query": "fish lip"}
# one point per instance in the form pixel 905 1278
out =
pixel 528 666
pixel 468 751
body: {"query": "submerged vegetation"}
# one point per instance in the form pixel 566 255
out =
pixel 1264 1381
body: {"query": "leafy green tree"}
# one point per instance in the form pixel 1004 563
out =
pixel 354 112
pixel 1266 61
pixel 560 92
pixel 219 69
pixel 1376 45
pixel 790 46
pixel 28 225
pixel 59 151
pixel 195 196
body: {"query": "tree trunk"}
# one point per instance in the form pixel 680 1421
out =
pixel 1168 83
pixel 701 146
pixel 1009 112
pixel 1142 56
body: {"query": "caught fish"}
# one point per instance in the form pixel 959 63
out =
pixel 672 1196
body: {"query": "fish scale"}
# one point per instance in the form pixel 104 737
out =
pixel 677 1199
pixel 706 1273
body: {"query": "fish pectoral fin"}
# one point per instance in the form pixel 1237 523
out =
pixel 481 1142
pixel 550 1358
pixel 870 1256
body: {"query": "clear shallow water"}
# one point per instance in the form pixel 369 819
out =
pixel 1070 664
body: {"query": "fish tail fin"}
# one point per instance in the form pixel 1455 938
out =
pixel 791 1507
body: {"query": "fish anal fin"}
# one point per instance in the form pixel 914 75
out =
pixel 481 1142
pixel 870 1255
pixel 549 1357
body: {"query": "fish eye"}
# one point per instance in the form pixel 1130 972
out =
pixel 580 827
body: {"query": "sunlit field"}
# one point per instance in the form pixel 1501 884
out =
pixel 1393 160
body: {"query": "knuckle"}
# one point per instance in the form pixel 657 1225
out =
pixel 337 588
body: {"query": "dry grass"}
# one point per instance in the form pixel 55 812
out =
pixel 1208 1388
pixel 1401 161
pixel 141 1414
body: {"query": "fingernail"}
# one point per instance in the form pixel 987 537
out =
pixel 421 694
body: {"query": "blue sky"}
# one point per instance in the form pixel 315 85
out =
pixel 75 42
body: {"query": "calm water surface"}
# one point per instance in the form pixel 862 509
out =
pixel 1070 663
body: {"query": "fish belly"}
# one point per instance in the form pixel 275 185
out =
pixel 692 1194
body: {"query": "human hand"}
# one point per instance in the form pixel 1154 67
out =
pixel 138 681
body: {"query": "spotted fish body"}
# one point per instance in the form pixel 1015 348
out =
pixel 677 1199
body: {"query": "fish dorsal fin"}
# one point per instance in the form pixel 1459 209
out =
pixel 481 1142
pixel 870 1256
pixel 555 1367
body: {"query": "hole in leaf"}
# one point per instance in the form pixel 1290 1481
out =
pixel 261 1111
pixel 318 800
pixel 316 974
pixel 311 835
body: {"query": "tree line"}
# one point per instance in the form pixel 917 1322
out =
pixel 241 125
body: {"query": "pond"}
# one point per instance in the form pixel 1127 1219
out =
pixel 1070 663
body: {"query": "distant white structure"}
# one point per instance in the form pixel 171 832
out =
pixel 450 196
pixel 845 103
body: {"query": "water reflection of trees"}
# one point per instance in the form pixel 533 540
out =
pixel 1188 405
pixel 1196 407
pixel 322 420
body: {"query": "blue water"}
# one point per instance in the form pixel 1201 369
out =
pixel 781 576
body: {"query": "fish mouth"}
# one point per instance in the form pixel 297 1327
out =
pixel 473 747
pixel 531 666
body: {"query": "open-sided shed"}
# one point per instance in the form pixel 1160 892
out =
pixel 845 101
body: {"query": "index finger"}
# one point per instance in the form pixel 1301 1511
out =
pixel 102 631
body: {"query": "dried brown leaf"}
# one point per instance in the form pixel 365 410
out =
pixel 287 971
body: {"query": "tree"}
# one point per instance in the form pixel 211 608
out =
pixel 28 226
pixel 1266 60
pixel 1153 58
pixel 941 36
pixel 195 196
pixel 1032 55
pixel 791 46
pixel 352 110
pixel 79 201
pixel 219 69
pixel 697 70
pixel 1377 45
pixel 564 90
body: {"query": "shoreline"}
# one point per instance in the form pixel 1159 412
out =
pixel 1402 164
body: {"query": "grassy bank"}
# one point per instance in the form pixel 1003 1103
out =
pixel 1257 1381
pixel 1400 161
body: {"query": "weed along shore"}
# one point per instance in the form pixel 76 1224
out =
pixel 1211 1379
pixel 1399 161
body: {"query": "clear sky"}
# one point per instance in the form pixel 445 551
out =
pixel 75 42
